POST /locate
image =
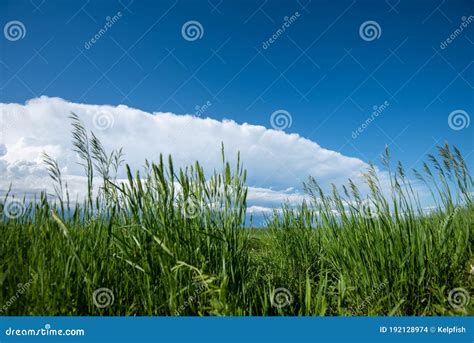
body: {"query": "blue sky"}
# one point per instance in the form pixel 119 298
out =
pixel 320 70
pixel 423 86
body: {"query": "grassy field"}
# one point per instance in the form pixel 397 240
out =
pixel 173 242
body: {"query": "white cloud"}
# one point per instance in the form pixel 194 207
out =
pixel 277 163
pixel 273 198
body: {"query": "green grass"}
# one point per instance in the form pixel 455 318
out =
pixel 173 242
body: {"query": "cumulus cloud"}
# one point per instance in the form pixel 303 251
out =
pixel 277 163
